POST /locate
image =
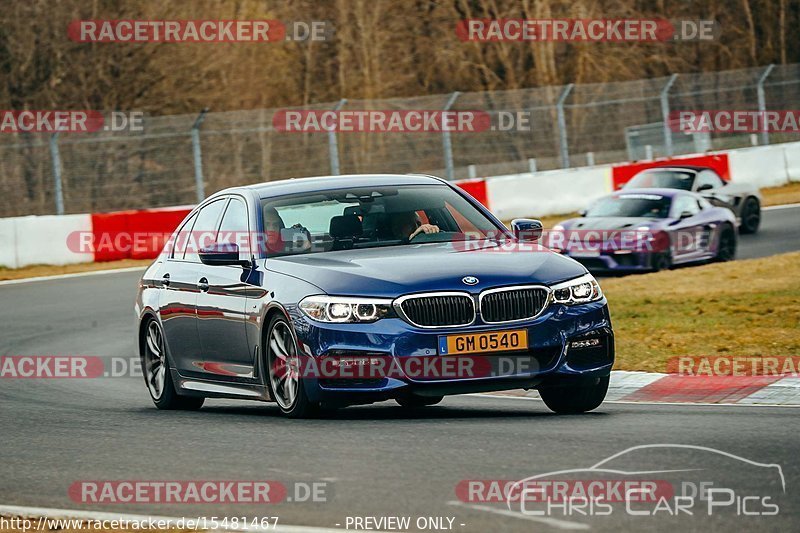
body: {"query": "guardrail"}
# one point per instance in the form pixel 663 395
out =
pixel 59 240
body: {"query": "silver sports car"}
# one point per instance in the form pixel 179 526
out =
pixel 741 198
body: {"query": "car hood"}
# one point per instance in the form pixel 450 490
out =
pixel 395 270
pixel 612 223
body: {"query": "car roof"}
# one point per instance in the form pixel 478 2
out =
pixel 690 168
pixel 329 183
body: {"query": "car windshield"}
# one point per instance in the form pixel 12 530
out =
pixel 369 217
pixel 663 179
pixel 631 205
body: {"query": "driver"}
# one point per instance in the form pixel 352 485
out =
pixel 273 224
pixel 407 225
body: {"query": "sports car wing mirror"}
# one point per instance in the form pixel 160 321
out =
pixel 686 214
pixel 704 187
pixel 527 229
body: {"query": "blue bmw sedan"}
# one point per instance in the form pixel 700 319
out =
pixel 319 293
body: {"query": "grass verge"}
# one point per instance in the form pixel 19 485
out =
pixel 741 308
pixel 786 194
pixel 34 271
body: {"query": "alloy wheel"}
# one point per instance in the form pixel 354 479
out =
pixel 155 360
pixel 284 365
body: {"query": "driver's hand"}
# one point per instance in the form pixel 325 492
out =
pixel 306 245
pixel 424 228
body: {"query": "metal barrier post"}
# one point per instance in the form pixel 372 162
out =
pixel 198 160
pixel 55 156
pixel 665 114
pixel 446 142
pixel 333 145
pixel 562 125
pixel 762 105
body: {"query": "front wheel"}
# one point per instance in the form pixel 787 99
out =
pixel 574 395
pixel 726 249
pixel 662 261
pixel 285 382
pixel 157 377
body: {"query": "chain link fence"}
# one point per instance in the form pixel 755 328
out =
pixel 179 159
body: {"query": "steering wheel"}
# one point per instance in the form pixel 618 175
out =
pixel 442 236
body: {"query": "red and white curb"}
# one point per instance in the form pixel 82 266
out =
pixel 654 387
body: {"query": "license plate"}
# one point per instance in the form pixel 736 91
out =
pixel 493 341
pixel 588 253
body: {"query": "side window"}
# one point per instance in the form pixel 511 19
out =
pixel 181 236
pixel 234 228
pixel 708 177
pixel 686 203
pixel 204 231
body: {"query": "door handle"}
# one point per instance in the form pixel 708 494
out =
pixel 203 284
pixel 165 280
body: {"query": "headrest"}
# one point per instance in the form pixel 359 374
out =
pixel 345 227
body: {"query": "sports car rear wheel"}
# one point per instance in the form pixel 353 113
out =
pixel 574 395
pixel 284 373
pixel 751 216
pixel 155 368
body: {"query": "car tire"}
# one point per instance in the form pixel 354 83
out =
pixel 574 395
pixel 413 401
pixel 157 374
pixel 286 386
pixel 726 248
pixel 751 216
pixel 662 261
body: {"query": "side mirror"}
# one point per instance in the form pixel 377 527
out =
pixel 686 214
pixel 221 255
pixel 582 212
pixel 527 229
pixel 705 187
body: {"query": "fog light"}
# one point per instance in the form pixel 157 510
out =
pixel 588 343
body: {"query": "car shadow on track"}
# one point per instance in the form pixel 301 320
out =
pixel 388 411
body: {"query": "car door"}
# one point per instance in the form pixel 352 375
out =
pixel 178 301
pixel 222 301
pixel 689 237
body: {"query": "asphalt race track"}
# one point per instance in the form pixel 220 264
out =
pixel 376 460
pixel 779 232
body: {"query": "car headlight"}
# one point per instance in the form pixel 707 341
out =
pixel 341 309
pixel 580 290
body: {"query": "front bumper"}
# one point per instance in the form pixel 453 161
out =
pixel 616 262
pixel 551 353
